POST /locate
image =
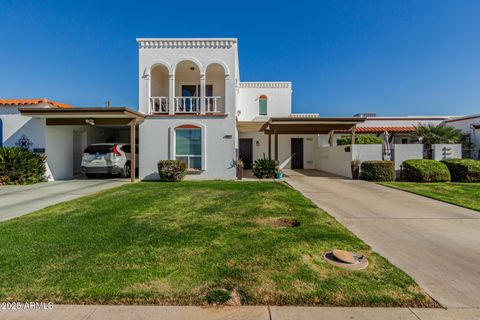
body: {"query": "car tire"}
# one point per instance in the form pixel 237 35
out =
pixel 90 175
pixel 126 171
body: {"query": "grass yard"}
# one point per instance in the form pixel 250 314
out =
pixel 461 194
pixel 177 243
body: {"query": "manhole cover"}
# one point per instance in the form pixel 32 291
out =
pixel 346 260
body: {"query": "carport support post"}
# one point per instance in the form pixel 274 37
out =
pixel 269 146
pixel 133 147
pixel 276 145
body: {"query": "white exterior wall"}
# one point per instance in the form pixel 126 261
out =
pixel 279 103
pixel 156 143
pixel 335 160
pixel 400 121
pixel 447 151
pixel 15 125
pixel 366 152
pixel 465 126
pixel 402 152
pixel 284 147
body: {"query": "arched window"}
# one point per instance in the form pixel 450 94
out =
pixel 188 146
pixel 262 105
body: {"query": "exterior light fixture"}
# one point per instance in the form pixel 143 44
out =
pixel 90 122
pixel 257 143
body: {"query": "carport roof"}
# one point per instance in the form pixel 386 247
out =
pixel 289 125
pixel 78 116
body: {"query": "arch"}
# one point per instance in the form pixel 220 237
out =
pixel 219 62
pixel 160 62
pixel 191 59
pixel 159 88
pixel 263 96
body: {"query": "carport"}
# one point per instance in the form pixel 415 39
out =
pixel 299 126
pixel 86 119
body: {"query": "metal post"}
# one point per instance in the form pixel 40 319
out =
pixel 353 134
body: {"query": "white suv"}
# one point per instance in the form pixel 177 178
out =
pixel 107 158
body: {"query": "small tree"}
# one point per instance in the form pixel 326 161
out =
pixel 432 134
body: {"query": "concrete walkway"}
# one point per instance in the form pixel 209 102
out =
pixel 16 201
pixel 438 244
pixel 66 312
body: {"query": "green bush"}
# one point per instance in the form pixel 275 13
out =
pixel 20 166
pixel 172 170
pixel 359 139
pixel 425 170
pixel 265 168
pixel 377 170
pixel 464 170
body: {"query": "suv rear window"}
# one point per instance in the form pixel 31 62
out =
pixel 100 149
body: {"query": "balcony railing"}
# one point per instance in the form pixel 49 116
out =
pixel 189 105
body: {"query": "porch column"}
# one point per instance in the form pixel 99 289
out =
pixel 330 137
pixel 202 93
pixel 353 134
pixel 269 146
pixel 149 85
pixel 133 147
pixel 171 93
pixel 276 145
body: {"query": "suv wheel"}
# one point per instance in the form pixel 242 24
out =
pixel 126 171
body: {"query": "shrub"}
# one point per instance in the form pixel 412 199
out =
pixel 463 170
pixel 425 170
pixel 172 170
pixel 20 166
pixel 265 168
pixel 377 170
pixel 359 139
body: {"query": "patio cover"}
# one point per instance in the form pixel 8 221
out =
pixel 91 116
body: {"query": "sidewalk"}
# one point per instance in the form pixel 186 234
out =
pixel 73 312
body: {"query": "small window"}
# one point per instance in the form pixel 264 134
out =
pixel 404 140
pixel 262 105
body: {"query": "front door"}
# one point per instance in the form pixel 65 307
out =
pixel 246 152
pixel 297 153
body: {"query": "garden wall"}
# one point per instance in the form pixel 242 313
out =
pixel 447 151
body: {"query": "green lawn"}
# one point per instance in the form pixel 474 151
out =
pixel 173 243
pixel 462 194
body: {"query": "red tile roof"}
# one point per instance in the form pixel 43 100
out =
pixel 23 102
pixel 381 129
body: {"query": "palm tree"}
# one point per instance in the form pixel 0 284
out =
pixel 433 134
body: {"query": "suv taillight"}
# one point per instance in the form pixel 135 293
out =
pixel 115 151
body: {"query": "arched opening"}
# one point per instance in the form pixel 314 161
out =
pixel 189 146
pixel 214 88
pixel 262 105
pixel 159 89
pixel 187 87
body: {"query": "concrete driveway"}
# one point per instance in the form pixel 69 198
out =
pixel 16 201
pixel 438 244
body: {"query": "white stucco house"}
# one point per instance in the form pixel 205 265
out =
pixel 194 107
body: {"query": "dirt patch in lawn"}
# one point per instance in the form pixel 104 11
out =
pixel 282 223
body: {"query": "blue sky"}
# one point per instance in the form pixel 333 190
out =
pixel 343 57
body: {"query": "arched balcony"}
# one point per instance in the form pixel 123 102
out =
pixel 188 87
pixel 159 89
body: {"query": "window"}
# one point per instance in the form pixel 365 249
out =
pixel 262 105
pixel 188 146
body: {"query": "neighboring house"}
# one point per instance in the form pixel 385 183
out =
pixel 193 107
pixel 470 126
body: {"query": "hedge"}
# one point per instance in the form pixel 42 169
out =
pixel 20 166
pixel 377 170
pixel 425 170
pixel 359 139
pixel 172 170
pixel 464 170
